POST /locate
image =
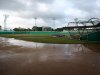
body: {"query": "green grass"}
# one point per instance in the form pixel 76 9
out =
pixel 42 38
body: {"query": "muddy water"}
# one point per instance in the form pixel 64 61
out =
pixel 19 57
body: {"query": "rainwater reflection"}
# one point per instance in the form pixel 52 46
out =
pixel 18 57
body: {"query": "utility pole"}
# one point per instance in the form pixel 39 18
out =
pixel 5 22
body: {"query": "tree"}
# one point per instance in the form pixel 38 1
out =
pixel 34 28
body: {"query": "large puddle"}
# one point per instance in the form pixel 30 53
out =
pixel 18 57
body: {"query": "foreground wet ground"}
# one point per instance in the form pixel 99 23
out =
pixel 19 57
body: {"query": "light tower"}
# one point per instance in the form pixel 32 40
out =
pixel 5 21
pixel 35 18
pixel 54 21
pixel 76 19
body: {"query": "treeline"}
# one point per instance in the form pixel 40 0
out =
pixel 35 28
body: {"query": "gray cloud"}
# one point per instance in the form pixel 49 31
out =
pixel 43 1
pixel 12 5
pixel 87 6
pixel 60 9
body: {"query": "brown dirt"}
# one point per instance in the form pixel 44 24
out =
pixel 49 60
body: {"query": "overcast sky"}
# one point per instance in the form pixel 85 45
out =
pixel 22 12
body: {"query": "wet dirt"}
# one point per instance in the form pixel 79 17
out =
pixel 19 57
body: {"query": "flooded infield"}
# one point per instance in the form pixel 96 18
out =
pixel 19 57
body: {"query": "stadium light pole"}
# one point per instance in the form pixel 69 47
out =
pixel 35 19
pixel 54 21
pixel 5 22
pixel 76 19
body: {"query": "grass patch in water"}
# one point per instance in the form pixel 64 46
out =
pixel 42 38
